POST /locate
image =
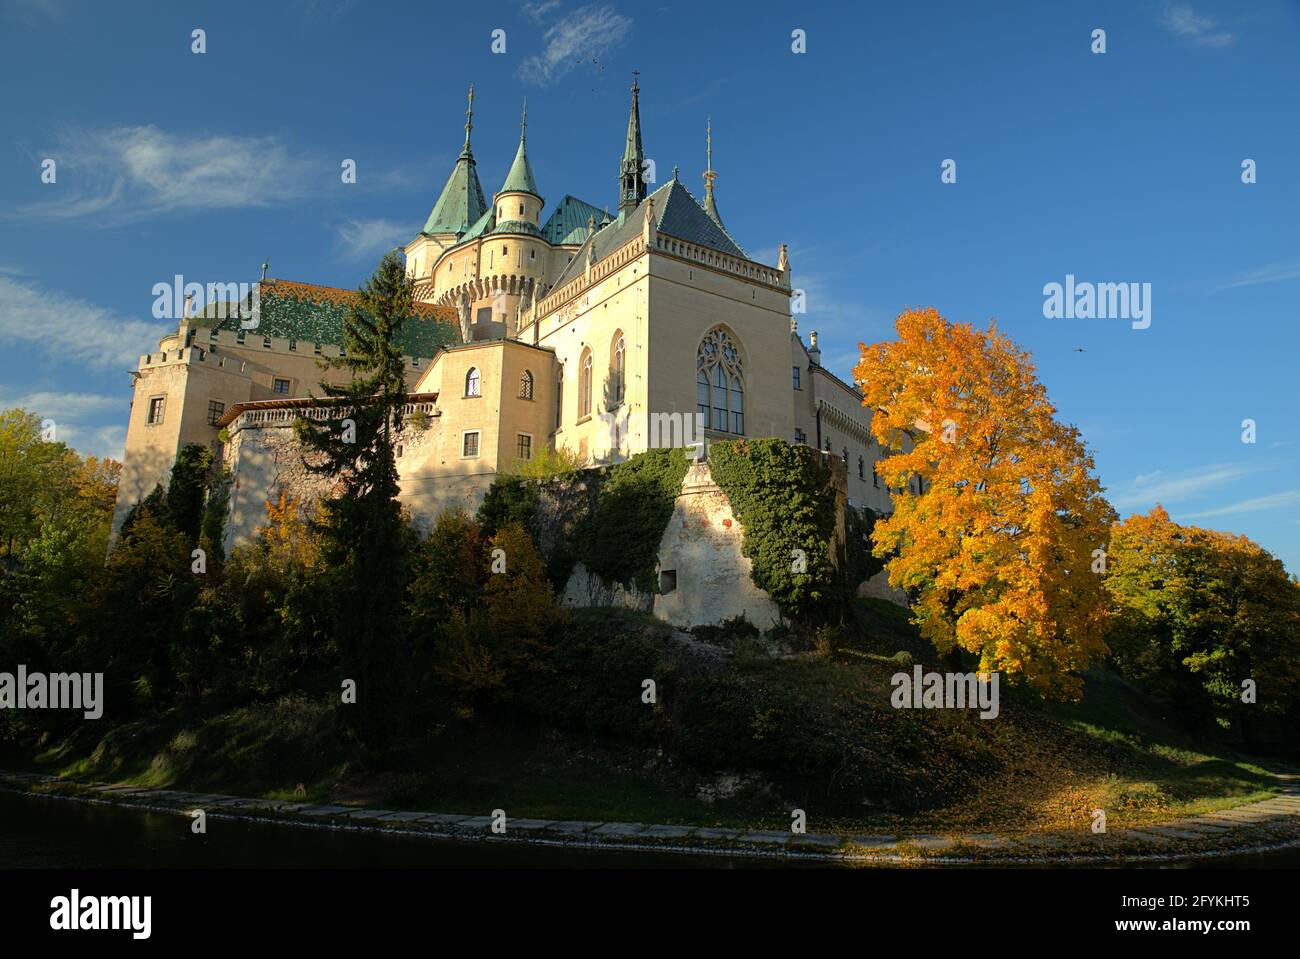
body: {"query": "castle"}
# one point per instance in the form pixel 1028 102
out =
pixel 583 330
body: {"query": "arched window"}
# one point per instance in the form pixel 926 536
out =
pixel 617 370
pixel 720 390
pixel 559 397
pixel 584 385
pixel 525 385
pixel 471 382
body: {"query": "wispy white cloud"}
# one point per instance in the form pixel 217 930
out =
pixel 538 9
pixel 370 239
pixel 1290 497
pixel 1277 273
pixel 63 406
pixel 38 12
pixel 102 441
pixel 74 329
pixel 1184 22
pixel 1172 487
pixel 587 33
pixel 122 174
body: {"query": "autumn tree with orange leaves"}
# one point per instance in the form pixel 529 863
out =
pixel 998 551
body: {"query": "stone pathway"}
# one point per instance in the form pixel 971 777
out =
pixel 1270 823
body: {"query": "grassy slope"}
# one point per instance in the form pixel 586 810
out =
pixel 1036 767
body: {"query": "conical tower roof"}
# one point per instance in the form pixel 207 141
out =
pixel 461 202
pixel 520 178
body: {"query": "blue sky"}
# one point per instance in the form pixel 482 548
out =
pixel 1115 167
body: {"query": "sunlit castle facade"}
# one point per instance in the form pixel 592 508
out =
pixel 540 324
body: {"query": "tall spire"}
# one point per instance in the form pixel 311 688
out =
pixel 520 178
pixel 461 202
pixel 469 121
pixel 631 183
pixel 710 207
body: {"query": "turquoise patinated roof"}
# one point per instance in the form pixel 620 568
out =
pixel 520 178
pixel 461 201
pixel 567 225
pixel 314 314
pixel 516 227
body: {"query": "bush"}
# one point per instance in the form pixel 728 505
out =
pixel 620 539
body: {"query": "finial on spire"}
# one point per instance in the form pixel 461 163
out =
pixel 266 265
pixel 523 122
pixel 710 205
pixel 631 168
pixel 469 117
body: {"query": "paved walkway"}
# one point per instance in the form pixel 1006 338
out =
pixel 1270 823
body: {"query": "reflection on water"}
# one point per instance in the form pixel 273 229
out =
pixel 54 833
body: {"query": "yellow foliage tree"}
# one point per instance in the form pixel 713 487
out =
pixel 998 550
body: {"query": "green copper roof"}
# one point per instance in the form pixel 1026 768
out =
pixel 314 314
pixel 516 227
pixel 567 225
pixel 461 202
pixel 520 178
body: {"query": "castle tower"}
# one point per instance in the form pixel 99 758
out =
pixel 631 183
pixel 514 266
pixel 461 202
pixel 518 200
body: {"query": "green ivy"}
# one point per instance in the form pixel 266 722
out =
pixel 509 500
pixel 783 498
pixel 620 539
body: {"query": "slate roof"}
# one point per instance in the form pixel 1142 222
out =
pixel 677 213
pixel 461 201
pixel 567 225
pixel 314 314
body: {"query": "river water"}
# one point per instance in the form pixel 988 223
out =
pixel 41 832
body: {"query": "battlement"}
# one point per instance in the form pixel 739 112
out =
pixel 209 344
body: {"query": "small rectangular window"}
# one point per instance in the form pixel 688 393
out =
pixel 282 387
pixel 796 378
pixel 524 446
pixel 667 581
pixel 156 406
pixel 215 410
pixel 266 342
pixel 469 446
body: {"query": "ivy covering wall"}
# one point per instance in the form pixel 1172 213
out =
pixel 784 499
pixel 611 519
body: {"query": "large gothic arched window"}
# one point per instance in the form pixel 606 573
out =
pixel 584 384
pixel 559 396
pixel 720 391
pixel 618 367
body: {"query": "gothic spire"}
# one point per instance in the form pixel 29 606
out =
pixel 461 202
pixel 710 207
pixel 469 123
pixel 631 182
